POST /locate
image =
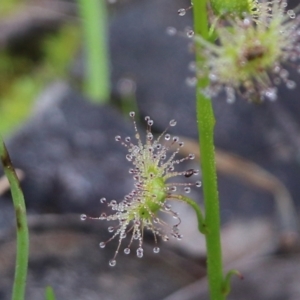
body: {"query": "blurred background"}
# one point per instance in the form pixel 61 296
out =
pixel 70 71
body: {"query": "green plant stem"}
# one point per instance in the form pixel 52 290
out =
pixel 21 225
pixel 94 23
pixel 196 208
pixel 206 123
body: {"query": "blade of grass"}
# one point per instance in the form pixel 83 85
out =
pixel 22 250
pixel 94 25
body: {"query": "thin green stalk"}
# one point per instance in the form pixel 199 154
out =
pixel 22 250
pixel 94 24
pixel 206 123
pixel 49 293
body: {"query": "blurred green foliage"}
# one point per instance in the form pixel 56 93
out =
pixel 9 6
pixel 23 78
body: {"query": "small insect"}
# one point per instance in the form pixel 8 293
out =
pixel 190 172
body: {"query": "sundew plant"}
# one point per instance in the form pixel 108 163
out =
pixel 242 50
pixel 139 210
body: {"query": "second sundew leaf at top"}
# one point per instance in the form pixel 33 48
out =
pixel 224 7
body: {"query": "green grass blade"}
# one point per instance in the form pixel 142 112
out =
pixel 22 250
pixel 94 26
pixel 49 293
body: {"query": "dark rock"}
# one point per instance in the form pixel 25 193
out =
pixel 69 154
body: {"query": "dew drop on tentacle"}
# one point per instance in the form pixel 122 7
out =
pixel 277 81
pixel 102 245
pixel 276 69
pixel 284 74
pixel 167 137
pixel 155 220
pixel 126 250
pixel 171 31
pixel 113 203
pixel 112 262
pixel 175 216
pixel 192 66
pixel 137 222
pixel 156 249
pixel 191 156
pixel 103 200
pixel 247 22
pixel 83 217
pixel 179 237
pixel 167 207
pixel 165 238
pixel 175 229
pixel 136 236
pixel 290 84
pixel 213 77
pixel 139 252
pixel 271 94
pixel 191 81
pixel 128 157
pixel 198 184
pixel 190 33
pixel 150 122
pixel 173 122
pixel 181 12
pixel 291 14
pixel 123 235
pixel 187 189
pixel 149 136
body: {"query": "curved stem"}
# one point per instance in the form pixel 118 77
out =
pixel 226 282
pixel 201 223
pixel 206 123
pixel 21 224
